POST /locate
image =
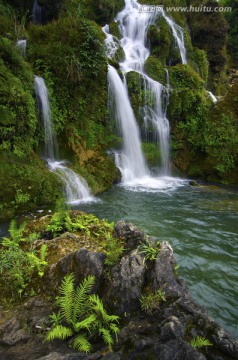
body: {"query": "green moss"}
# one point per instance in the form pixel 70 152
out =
pixel 151 153
pixel 102 11
pixel 184 77
pixel 155 69
pixel 25 183
pixel 113 26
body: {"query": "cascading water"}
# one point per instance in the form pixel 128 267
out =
pixel 133 26
pixel 36 13
pixel 22 45
pixel 44 109
pixel 131 162
pixel 212 96
pixel 76 188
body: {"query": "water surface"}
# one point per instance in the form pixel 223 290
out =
pixel 201 223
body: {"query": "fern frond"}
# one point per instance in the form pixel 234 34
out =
pixel 43 252
pixel 107 337
pixel 66 300
pixel 59 332
pixel 81 343
pixel 86 323
pixel 115 329
pixel 199 342
pixel 81 297
pixel 99 309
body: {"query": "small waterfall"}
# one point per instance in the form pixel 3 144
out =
pixel 36 13
pixel 212 96
pixel 22 45
pixel 44 109
pixel 155 114
pixel 76 188
pixel 178 36
pixel 131 162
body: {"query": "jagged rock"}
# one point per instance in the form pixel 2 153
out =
pixel 127 281
pixel 12 333
pixel 130 233
pixel 82 263
pixel 163 276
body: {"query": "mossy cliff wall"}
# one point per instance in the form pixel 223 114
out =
pixel 67 51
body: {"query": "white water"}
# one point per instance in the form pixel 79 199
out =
pixel 133 26
pixel 178 36
pixel 22 45
pixel 212 96
pixel 36 13
pixel 44 109
pixel 131 161
pixel 76 188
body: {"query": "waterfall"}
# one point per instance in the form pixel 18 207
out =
pixel 133 26
pixel 131 162
pixel 22 45
pixel 178 36
pixel 212 96
pixel 36 13
pixel 44 109
pixel 76 188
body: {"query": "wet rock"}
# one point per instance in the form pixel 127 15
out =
pixel 163 276
pixel 127 281
pixel 11 333
pixel 130 234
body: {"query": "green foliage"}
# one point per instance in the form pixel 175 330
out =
pixel 201 63
pixel 16 265
pixel 231 17
pixel 113 248
pixel 199 342
pixel 209 33
pixel 84 315
pixel 149 250
pixel 184 77
pixel 221 142
pixel 151 301
pixel 155 69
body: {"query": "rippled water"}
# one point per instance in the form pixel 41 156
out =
pixel 201 223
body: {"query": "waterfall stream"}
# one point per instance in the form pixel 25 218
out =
pixel 133 26
pixel 76 188
pixel 22 43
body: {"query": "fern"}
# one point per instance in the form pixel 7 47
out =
pixel 86 323
pixel 99 309
pixel 66 300
pixel 107 337
pixel 199 342
pixel 81 295
pixel 81 343
pixel 59 332
pixel 43 252
pixel 83 313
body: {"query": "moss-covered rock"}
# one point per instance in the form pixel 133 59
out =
pixel 113 27
pixel 155 69
pixel 184 77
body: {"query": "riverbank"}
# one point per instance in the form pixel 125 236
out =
pixel 162 328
